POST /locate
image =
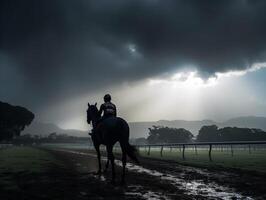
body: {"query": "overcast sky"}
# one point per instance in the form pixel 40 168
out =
pixel 158 59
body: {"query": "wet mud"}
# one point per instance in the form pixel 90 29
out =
pixel 157 179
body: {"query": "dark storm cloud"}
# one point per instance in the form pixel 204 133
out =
pixel 63 48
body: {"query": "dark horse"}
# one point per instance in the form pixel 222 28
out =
pixel 108 132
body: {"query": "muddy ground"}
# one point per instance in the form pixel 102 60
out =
pixel 153 179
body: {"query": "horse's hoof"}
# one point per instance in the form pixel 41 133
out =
pixel 98 173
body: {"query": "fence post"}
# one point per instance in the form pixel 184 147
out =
pixel 232 151
pixel 210 152
pixel 249 149
pixel 183 153
pixel 161 152
pixel 196 151
pixel 149 150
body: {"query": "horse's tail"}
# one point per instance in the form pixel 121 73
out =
pixel 132 152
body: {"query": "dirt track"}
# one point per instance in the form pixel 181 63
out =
pixel 156 179
pixel 70 174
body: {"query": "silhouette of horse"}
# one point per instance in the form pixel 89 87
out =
pixel 108 132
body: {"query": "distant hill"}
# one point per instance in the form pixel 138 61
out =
pixel 140 129
pixel 247 122
pixel 39 128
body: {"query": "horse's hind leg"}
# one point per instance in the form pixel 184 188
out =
pixel 111 158
pixel 124 161
pixel 106 165
pixel 97 147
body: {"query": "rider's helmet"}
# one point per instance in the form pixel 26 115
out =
pixel 107 98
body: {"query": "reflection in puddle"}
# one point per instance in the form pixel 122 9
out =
pixel 211 190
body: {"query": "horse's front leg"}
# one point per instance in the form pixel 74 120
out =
pixel 97 147
pixel 107 163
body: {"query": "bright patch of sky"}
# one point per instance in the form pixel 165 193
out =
pixel 183 96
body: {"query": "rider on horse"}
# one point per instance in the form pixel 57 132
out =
pixel 107 108
pixel 108 130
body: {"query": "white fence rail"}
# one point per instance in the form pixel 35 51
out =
pixel 247 145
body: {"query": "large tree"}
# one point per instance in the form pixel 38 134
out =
pixel 159 134
pixel 13 120
pixel 208 134
pixel 213 134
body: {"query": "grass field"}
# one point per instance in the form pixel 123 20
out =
pixel 255 160
pixel 21 167
pixel 21 159
pixel 241 159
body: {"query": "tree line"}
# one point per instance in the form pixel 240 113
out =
pixel 214 134
pixel 161 134
pixel 14 119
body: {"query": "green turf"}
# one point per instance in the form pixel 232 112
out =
pixel 241 159
pixel 19 162
pixel 25 159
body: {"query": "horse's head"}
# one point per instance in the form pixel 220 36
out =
pixel 92 113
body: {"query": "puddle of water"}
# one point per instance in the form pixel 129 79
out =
pixel 149 195
pixel 152 196
pixel 211 190
pixel 205 172
pixel 191 187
